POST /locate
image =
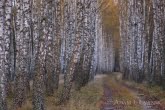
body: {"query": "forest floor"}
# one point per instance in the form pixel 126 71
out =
pixel 107 92
pixel 87 98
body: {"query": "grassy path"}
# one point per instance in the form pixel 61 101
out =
pixel 119 95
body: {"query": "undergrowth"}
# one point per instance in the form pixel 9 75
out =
pixel 85 99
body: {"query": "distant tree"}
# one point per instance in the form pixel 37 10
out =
pixel 49 46
pixel 59 22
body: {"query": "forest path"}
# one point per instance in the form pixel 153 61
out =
pixel 107 98
pixel 118 96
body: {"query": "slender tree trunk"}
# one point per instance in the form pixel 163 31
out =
pixel 5 21
pixel 39 20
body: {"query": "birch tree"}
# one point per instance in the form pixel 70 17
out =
pixel 142 40
pixel 68 80
pixel 39 7
pixel 59 19
pixel 22 35
pixel 5 21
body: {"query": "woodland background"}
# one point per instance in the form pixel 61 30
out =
pixel 40 40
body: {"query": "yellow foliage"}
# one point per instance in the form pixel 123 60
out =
pixel 110 19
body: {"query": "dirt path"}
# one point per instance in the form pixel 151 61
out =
pixel 120 97
pixel 107 99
